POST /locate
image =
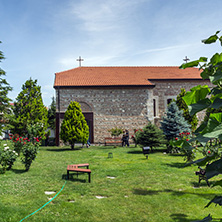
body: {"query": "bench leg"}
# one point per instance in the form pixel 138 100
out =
pixel 89 177
pixel 67 174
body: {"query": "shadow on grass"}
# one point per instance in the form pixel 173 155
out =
pixel 135 152
pixel 73 177
pixel 176 165
pixel 19 171
pixel 141 151
pixel 63 149
pixel 145 192
pixel 181 218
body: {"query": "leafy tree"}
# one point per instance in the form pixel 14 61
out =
pixel 29 111
pixel 52 114
pixel 150 136
pixel 192 120
pixel 202 98
pixel 115 131
pixel 173 123
pixel 4 100
pixel 74 127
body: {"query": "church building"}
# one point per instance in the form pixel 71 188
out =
pixel 123 97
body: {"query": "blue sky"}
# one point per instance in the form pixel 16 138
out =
pixel 42 37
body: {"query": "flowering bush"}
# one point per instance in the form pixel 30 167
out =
pixel 18 141
pixel 29 151
pixel 180 144
pixel 28 148
pixel 7 156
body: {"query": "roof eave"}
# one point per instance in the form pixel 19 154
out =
pixel 104 86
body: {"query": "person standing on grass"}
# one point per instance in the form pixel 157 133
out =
pixel 127 137
pixel 124 139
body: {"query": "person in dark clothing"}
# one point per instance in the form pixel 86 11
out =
pixel 125 138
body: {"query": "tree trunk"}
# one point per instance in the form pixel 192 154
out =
pixel 72 146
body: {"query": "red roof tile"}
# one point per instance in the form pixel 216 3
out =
pixel 119 76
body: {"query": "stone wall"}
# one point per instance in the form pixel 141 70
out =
pixel 126 108
pixel 170 89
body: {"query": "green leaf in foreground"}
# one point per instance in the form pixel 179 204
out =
pixel 214 169
pixel 216 200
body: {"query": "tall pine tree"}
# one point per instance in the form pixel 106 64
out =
pixel 74 127
pixel 30 115
pixel 173 122
pixel 4 100
pixel 52 114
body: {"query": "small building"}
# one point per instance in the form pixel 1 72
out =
pixel 124 97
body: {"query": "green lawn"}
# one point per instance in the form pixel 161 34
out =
pixel 157 189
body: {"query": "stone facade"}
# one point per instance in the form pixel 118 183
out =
pixel 123 107
pixel 166 90
pixel 127 108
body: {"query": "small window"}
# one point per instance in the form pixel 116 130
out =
pixel 169 101
pixel 154 107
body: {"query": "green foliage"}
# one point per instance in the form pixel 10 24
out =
pixel 52 114
pixel 181 144
pixel 202 98
pixel 7 155
pixel 173 123
pixel 29 110
pixel 192 120
pixel 4 100
pixel 29 151
pixel 74 127
pixel 150 136
pixel 115 131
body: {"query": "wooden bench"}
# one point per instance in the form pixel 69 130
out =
pixel 76 168
pixel 112 141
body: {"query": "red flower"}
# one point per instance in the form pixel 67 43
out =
pixel 176 138
pixel 24 142
pixel 187 139
pixel 180 134
pixel 17 139
pixel 10 138
pixel 209 151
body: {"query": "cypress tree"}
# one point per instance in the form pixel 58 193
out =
pixel 74 127
pixel 52 114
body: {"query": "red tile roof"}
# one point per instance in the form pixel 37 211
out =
pixel 122 76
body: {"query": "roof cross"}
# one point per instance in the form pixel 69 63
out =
pixel 79 60
pixel 186 59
